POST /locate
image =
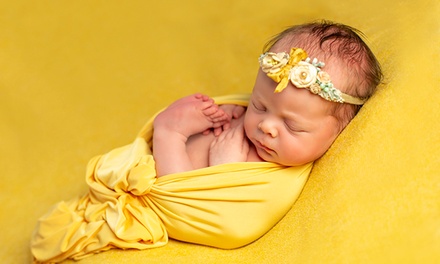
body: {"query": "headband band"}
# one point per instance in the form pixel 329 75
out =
pixel 303 73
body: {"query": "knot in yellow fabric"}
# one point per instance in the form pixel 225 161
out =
pixel 114 213
pixel 119 180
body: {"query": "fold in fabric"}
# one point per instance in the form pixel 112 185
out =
pixel 225 206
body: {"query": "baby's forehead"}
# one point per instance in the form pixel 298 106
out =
pixel 295 101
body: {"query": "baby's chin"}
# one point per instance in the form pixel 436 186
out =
pixel 268 158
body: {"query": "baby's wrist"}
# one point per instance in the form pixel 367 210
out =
pixel 166 134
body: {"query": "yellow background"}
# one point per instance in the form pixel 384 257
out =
pixel 79 78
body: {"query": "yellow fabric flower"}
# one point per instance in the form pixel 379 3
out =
pixel 282 76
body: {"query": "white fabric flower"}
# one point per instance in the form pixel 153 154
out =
pixel 303 74
pixel 324 77
pixel 315 88
pixel 272 62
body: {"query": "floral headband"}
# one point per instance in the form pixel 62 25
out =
pixel 303 73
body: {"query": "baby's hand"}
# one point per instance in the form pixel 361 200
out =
pixel 233 112
pixel 230 146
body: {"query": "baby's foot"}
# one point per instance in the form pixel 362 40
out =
pixel 191 115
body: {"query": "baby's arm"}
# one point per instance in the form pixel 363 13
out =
pixel 172 127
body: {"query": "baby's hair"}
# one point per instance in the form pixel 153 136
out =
pixel 333 41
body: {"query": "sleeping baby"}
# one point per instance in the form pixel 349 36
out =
pixel 220 172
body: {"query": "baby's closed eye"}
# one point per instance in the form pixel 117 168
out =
pixel 259 106
pixel 293 127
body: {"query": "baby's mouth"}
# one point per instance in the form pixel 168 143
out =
pixel 263 147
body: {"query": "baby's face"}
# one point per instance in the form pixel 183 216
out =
pixel 292 127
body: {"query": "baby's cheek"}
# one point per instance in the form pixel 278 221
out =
pixel 247 127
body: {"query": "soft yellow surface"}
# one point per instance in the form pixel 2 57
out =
pixel 79 78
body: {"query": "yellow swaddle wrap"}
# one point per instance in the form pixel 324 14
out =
pixel 225 206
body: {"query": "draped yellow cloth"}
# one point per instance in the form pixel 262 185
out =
pixel 225 206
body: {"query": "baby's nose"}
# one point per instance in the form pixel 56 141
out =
pixel 267 127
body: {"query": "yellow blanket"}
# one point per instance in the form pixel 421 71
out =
pixel 225 206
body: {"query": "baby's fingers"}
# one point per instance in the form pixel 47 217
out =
pixel 217 131
pixel 238 111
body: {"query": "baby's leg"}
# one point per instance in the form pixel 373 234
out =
pixel 191 115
